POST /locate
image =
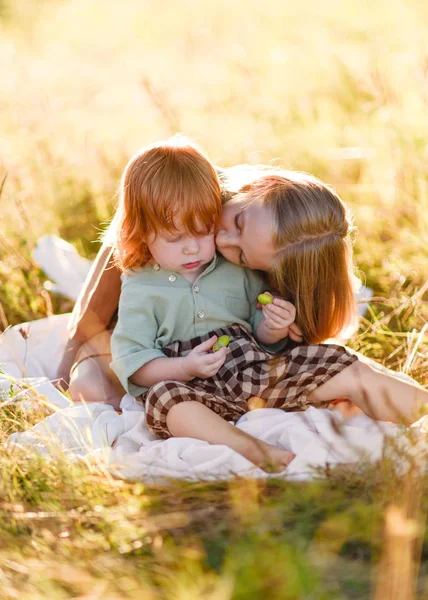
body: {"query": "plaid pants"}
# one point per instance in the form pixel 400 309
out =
pixel 283 380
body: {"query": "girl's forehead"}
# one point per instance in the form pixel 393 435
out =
pixel 243 201
pixel 256 239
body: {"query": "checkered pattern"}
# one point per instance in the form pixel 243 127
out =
pixel 284 380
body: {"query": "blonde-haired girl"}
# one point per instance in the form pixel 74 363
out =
pixel 295 228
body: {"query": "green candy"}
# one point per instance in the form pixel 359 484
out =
pixel 265 299
pixel 222 341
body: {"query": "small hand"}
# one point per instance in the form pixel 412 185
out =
pixel 295 333
pixel 279 316
pixel 202 362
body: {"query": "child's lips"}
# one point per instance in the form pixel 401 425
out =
pixel 192 265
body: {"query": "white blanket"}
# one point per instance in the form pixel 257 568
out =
pixel 123 444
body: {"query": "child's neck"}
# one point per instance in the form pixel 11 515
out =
pixel 192 277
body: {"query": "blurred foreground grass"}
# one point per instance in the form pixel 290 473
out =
pixel 69 531
pixel 339 89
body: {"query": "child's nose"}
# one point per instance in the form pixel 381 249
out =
pixel 192 247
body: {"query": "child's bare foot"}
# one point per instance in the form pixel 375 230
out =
pixel 193 419
pixel 267 457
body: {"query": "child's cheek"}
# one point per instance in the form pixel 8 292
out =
pixel 210 250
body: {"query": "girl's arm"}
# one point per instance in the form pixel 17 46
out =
pixel 99 298
pixel 95 307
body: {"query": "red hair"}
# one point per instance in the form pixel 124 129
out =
pixel 162 182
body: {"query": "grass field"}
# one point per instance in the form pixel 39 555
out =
pixel 339 89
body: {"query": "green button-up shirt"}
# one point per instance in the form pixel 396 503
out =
pixel 157 307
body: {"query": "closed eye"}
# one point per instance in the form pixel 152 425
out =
pixel 237 225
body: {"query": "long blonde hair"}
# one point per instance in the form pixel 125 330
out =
pixel 162 181
pixel 313 266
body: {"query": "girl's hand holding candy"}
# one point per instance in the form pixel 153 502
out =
pixel 202 362
pixel 294 332
pixel 278 316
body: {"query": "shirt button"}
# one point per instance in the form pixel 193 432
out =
pixel 201 314
pixel 172 278
pixel 196 289
pixel 156 267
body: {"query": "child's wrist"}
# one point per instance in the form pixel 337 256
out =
pixel 283 333
pixel 186 368
pixel 276 338
pixel 272 336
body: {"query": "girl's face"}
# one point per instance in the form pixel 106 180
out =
pixel 246 233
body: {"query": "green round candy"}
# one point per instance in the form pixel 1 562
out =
pixel 265 299
pixel 222 341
